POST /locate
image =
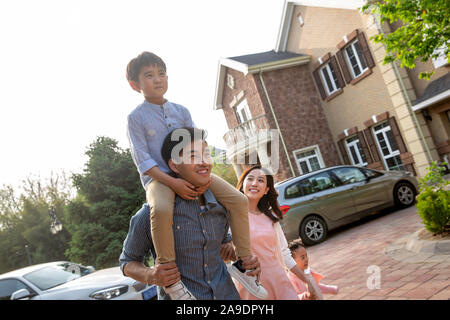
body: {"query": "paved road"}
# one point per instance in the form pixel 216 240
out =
pixel 344 259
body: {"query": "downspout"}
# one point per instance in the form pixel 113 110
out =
pixel 405 94
pixel 276 122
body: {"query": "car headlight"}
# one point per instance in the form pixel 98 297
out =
pixel 110 293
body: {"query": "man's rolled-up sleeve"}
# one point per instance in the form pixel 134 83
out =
pixel 138 242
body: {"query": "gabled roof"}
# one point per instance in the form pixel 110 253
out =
pixel 253 63
pixel 436 91
pixel 288 10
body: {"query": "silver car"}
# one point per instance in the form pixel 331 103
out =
pixel 328 198
pixel 63 280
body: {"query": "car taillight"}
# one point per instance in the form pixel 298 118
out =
pixel 284 209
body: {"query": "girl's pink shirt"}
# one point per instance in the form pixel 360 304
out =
pixel 300 287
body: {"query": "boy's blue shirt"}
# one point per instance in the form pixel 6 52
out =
pixel 147 127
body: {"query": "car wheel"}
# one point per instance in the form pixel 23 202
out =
pixel 313 230
pixel 404 195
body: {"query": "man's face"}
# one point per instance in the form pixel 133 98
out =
pixel 152 83
pixel 196 164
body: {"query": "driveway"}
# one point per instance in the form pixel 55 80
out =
pixel 353 258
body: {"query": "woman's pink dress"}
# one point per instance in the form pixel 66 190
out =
pixel 264 245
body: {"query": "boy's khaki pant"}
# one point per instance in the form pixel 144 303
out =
pixel 161 201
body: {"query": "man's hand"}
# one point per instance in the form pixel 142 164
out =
pixel 163 275
pixel 202 189
pixel 251 263
pixel 227 252
pixel 184 189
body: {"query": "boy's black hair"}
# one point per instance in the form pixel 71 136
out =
pixel 295 244
pixel 144 59
pixel 178 136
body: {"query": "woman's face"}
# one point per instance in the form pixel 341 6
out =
pixel 255 184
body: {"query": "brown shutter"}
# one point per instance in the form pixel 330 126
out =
pixel 344 66
pixel 372 145
pixel 366 50
pixel 319 83
pixel 364 147
pixel 397 136
pixel 337 71
pixel 343 150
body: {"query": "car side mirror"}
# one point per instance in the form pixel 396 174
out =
pixel 21 294
pixel 369 178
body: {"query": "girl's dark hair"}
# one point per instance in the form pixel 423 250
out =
pixel 268 204
pixel 143 60
pixel 295 244
pixel 178 136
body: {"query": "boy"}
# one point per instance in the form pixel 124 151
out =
pixel 148 124
pixel 300 256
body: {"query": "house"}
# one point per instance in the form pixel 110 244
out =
pixel 326 98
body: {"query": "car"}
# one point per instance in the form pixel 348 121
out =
pixel 314 203
pixel 64 280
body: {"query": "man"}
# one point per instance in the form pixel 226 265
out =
pixel 200 230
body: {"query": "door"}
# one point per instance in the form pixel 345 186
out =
pixel 366 195
pixel 330 198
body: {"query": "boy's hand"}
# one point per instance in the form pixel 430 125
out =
pixel 184 189
pixel 227 252
pixel 202 189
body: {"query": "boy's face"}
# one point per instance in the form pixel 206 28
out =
pixel 152 83
pixel 301 257
pixel 196 164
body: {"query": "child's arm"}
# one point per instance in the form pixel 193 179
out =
pixel 181 187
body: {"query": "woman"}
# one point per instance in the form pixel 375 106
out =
pixel 268 242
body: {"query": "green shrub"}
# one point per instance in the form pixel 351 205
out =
pixel 433 201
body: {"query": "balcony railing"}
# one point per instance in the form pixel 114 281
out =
pixel 248 134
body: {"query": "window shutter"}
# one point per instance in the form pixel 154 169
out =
pixel 319 83
pixel 364 147
pixel 344 66
pixel 366 50
pixel 337 71
pixel 343 152
pixel 397 135
pixel 372 145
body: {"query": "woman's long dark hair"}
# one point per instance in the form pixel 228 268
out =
pixel 268 204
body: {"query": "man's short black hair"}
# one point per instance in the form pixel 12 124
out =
pixel 182 137
pixel 144 59
pixel 295 244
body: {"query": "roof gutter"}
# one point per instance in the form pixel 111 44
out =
pixel 276 122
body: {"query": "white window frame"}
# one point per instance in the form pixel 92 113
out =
pixel 354 144
pixel 357 57
pixel 392 153
pixel 243 106
pixel 318 155
pixel 334 83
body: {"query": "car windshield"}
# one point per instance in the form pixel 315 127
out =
pixel 52 276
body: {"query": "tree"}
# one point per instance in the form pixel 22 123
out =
pixel 222 169
pixel 424 32
pixel 108 193
pixel 25 221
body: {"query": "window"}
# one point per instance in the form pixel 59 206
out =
pixel 9 286
pixel 388 147
pixel 308 160
pixel 243 112
pixel 355 150
pixel 322 181
pixel 371 173
pixel 349 175
pixel 299 189
pixel 329 79
pixel 355 59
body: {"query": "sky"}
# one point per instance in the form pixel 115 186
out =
pixel 62 70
